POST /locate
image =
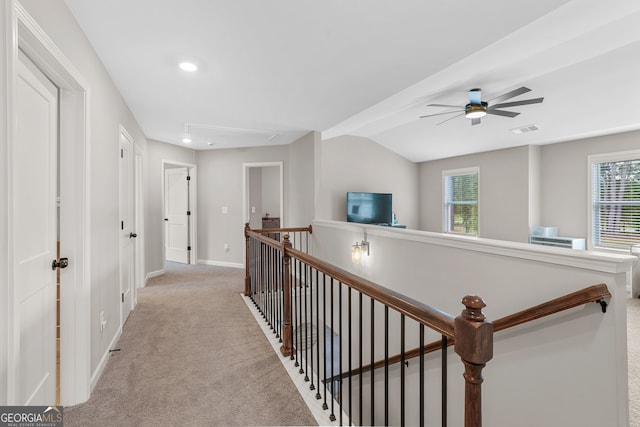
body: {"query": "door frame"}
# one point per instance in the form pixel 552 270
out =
pixel 123 134
pixel 193 221
pixel 23 33
pixel 139 203
pixel 246 167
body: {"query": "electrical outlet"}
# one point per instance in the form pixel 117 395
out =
pixel 226 247
pixel 253 209
pixel 225 209
pixel 103 321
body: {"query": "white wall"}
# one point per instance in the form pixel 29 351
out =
pixel 220 185
pixel 564 179
pixel 568 369
pixel 503 192
pixel 352 163
pixel 107 112
pixel 301 200
pixel 154 216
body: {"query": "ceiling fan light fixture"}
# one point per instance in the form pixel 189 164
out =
pixel 475 111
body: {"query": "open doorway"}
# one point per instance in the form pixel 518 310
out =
pixel 179 207
pixel 263 199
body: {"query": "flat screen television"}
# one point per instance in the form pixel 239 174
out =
pixel 369 208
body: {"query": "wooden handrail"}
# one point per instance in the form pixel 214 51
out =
pixel 283 230
pixel 594 293
pixel 435 319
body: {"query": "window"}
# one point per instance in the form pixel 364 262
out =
pixel 461 201
pixel 615 200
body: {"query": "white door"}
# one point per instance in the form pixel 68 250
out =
pixel 127 233
pixel 176 206
pixel 34 234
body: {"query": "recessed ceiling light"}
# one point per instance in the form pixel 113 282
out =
pixel 186 140
pixel 188 66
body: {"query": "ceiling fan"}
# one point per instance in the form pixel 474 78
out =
pixel 476 108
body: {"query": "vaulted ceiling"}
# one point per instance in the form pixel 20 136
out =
pixel 271 71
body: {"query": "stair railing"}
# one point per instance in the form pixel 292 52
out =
pixel 293 290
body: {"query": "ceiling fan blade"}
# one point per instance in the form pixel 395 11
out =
pixel 475 122
pixel 511 94
pixel 516 103
pixel 440 114
pixel 450 118
pixel 444 105
pixel 511 114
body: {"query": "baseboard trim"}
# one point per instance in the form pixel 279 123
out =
pixel 153 274
pixel 103 362
pixel 220 263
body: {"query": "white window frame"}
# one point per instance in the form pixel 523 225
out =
pixel 594 159
pixel 457 172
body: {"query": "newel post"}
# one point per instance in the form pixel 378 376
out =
pixel 287 345
pixel 474 345
pixel 247 276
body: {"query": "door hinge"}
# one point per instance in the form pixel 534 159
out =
pixel 122 153
pixel 121 225
pixel 188 212
pixel 122 297
pixel 188 178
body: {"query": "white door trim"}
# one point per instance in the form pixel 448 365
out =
pixel 139 200
pixel 22 32
pixel 246 215
pixel 193 173
pixel 124 137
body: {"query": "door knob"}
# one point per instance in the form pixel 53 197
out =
pixel 132 235
pixel 62 263
pixel 166 219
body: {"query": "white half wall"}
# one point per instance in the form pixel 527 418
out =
pixel 566 369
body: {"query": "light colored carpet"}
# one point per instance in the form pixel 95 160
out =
pixel 192 355
pixel 633 343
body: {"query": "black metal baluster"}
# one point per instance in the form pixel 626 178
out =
pixel 402 369
pixel 421 391
pixel 360 350
pixel 332 416
pixel 386 365
pixel 311 386
pixel 318 396
pixel 373 360
pixel 350 358
pixel 278 296
pixel 303 320
pixel 324 334
pixel 294 317
pixel 340 350
pixel 444 380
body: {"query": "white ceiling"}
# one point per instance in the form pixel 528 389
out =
pixel 271 71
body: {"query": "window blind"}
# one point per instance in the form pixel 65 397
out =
pixel 461 203
pixel 616 203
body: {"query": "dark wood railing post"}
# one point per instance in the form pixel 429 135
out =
pixel 287 346
pixel 247 276
pixel 474 345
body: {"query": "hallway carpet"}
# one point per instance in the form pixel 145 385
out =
pixel 191 354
